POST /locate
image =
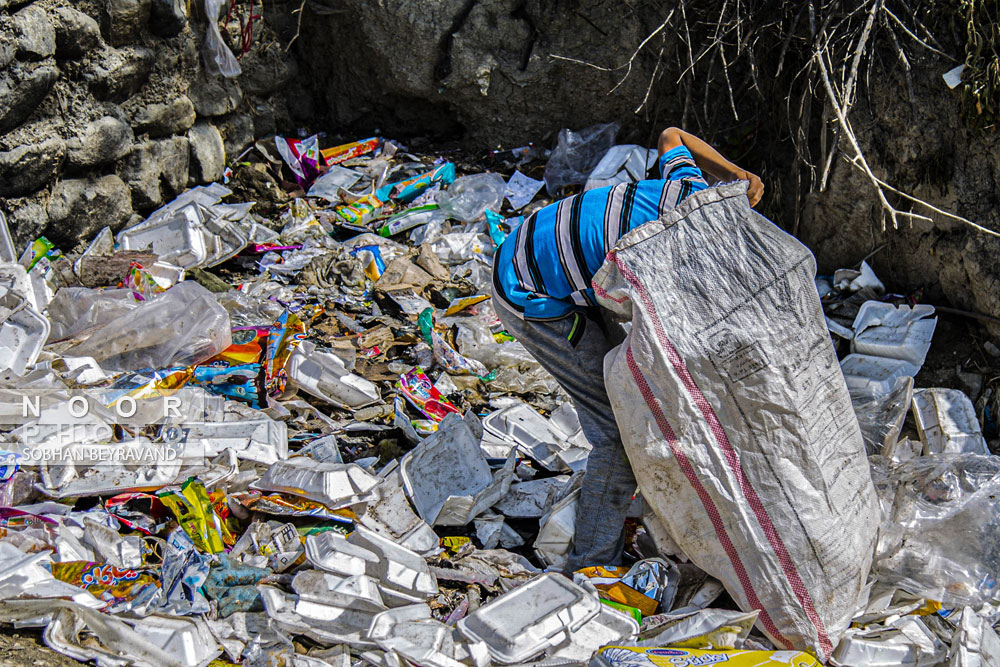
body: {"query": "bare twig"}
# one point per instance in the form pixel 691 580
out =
pixel 298 25
pixel 916 39
pixel 627 66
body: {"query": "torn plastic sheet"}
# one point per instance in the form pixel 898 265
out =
pixel 181 327
pixel 903 332
pixel 521 190
pixel 940 535
pixel 328 185
pixel 947 422
pixel 448 478
pixel 217 56
pixel 881 418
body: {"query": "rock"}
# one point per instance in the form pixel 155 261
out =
pixel 79 208
pixel 23 86
pixel 8 45
pixel 12 4
pixel 156 171
pixel 237 133
pixel 208 154
pixel 27 168
pixel 266 71
pixel 122 21
pixel 167 17
pixel 118 73
pixel 104 140
pixel 215 96
pixel 26 217
pixel 76 33
pixel 36 39
pixel 160 120
pixel 435 63
pixel 265 123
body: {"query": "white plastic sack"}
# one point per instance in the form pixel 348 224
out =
pixel 736 417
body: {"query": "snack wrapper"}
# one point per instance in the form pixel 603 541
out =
pixel 346 152
pixel 418 389
pixel 102 580
pixel 286 335
pixel 411 188
pixel 409 219
pixel 358 212
pixel 639 656
pixel 279 505
pixel 302 157
pixel 371 255
pixel 142 512
pixel 196 515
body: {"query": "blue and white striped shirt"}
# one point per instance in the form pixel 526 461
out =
pixel 544 268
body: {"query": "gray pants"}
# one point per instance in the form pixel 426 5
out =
pixel 572 349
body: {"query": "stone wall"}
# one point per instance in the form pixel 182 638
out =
pixel 106 111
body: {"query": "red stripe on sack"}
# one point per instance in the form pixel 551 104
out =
pixel 600 291
pixel 732 459
pixel 703 495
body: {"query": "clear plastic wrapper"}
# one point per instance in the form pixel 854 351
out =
pixel 942 537
pixel 75 310
pixel 881 418
pixel 181 327
pixel 218 58
pixel 468 197
pixel 576 154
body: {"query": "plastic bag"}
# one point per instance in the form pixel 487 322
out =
pixel 218 58
pixel 576 154
pixel 881 418
pixel 181 327
pixel 469 197
pixel 74 310
pixel 942 538
pixel 736 417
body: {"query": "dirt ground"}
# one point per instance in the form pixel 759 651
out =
pixel 24 646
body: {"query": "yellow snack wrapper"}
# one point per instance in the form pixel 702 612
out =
pixel 195 514
pixel 604 574
pixel 638 656
pixel 626 595
pixel 452 545
pixel 101 578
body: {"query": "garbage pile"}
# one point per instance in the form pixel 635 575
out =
pixel 278 422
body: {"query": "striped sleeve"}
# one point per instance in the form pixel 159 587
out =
pixel 677 164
